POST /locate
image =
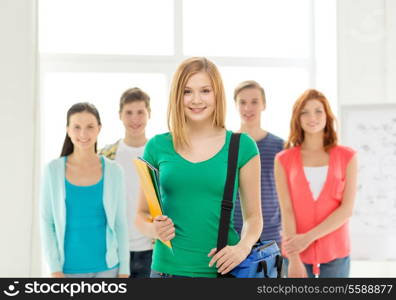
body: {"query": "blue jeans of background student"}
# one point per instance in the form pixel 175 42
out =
pixel 155 274
pixel 112 273
pixel 337 268
pixel 140 264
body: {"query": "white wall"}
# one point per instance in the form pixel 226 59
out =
pixel 367 75
pixel 366 47
pixel 390 68
pixel 18 68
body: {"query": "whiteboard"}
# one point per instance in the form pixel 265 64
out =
pixel 371 130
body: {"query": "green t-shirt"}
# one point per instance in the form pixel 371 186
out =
pixel 191 196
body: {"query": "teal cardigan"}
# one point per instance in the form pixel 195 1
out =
pixel 53 215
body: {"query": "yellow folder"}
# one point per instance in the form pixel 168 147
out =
pixel 149 181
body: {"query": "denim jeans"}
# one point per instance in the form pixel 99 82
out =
pixel 140 264
pixel 155 274
pixel 337 268
pixel 112 273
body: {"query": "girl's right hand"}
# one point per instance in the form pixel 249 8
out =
pixel 58 275
pixel 164 228
pixel 296 269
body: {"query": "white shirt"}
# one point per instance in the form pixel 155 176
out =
pixel 316 177
pixel 124 156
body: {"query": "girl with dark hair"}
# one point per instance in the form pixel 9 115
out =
pixel 83 217
pixel 316 183
pixel 68 146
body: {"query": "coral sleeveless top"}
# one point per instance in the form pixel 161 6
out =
pixel 309 213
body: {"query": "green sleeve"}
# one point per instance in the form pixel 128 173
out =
pixel 150 152
pixel 247 150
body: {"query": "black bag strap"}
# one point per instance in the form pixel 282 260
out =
pixel 278 264
pixel 226 204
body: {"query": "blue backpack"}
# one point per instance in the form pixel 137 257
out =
pixel 265 260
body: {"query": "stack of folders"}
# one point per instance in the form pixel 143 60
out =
pixel 149 181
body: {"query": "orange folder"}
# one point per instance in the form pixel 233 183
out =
pixel 149 181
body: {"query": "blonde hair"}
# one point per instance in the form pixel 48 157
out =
pixel 176 116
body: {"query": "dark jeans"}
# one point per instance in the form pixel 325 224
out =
pixel 140 264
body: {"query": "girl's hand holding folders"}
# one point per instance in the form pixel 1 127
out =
pixel 164 228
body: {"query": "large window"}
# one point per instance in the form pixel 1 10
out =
pixel 93 50
pixel 249 28
pixel 107 27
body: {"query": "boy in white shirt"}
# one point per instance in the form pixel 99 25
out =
pixel 134 113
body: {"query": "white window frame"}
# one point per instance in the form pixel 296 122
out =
pixel 167 64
